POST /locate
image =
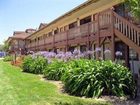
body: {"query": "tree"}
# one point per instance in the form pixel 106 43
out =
pixel 1 47
pixel 134 6
pixel 5 46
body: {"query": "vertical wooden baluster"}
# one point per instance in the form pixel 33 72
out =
pixel 123 28
pixel 115 22
pixel 132 34
pixel 135 36
pixel 139 38
pixel 121 25
pixel 127 31
pixel 118 24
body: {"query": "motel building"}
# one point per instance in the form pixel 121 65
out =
pixel 104 24
pixel 17 41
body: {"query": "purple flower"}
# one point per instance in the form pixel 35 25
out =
pixel 107 51
pixel 90 52
pixel 76 52
pixel 118 53
pixel 51 54
pixel 30 52
pixel 68 55
pixel 98 49
pixel 60 55
pixel 60 52
pixel 81 55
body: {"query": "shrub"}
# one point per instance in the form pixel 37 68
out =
pixel 27 64
pixel 8 58
pixel 93 79
pixel 34 65
pixel 54 70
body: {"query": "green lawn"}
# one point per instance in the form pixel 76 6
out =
pixel 18 88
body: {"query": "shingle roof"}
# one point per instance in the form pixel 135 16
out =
pixel 22 35
pixel 42 25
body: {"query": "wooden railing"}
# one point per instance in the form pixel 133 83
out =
pixel 127 28
pixel 49 40
pixel 103 22
pixel 105 18
pixel 93 27
pixel 41 42
pixel 60 37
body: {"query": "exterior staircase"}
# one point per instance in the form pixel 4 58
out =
pixel 127 32
pixel 130 35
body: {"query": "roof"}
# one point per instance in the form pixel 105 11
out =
pixel 17 32
pixel 42 25
pixel 21 34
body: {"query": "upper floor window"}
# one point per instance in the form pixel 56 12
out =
pixel 50 33
pixel 66 28
pixel 73 25
pixel 93 18
pixel 38 38
pixel 56 31
pixel 85 20
pixel 61 29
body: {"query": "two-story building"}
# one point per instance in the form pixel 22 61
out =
pixel 17 42
pixel 102 24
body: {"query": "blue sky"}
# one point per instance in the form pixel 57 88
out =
pixel 18 15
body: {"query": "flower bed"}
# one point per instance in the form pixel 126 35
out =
pixel 81 76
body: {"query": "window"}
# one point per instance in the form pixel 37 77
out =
pixel 56 31
pixel 93 17
pixel 38 38
pixel 85 20
pixel 65 28
pixel 133 55
pixel 50 33
pixel 83 48
pixel 61 29
pixel 71 49
pixel 73 25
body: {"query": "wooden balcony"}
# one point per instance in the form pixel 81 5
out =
pixel 81 34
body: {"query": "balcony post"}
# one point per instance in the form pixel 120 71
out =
pixel 35 43
pixel 98 35
pixel 112 37
pixel 127 56
pixel 78 22
pixel 67 40
pixel 44 36
pixel 53 35
pixel 88 38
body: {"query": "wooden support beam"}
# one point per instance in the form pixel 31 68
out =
pixel 66 40
pixel 112 38
pixel 127 56
pixel 98 34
